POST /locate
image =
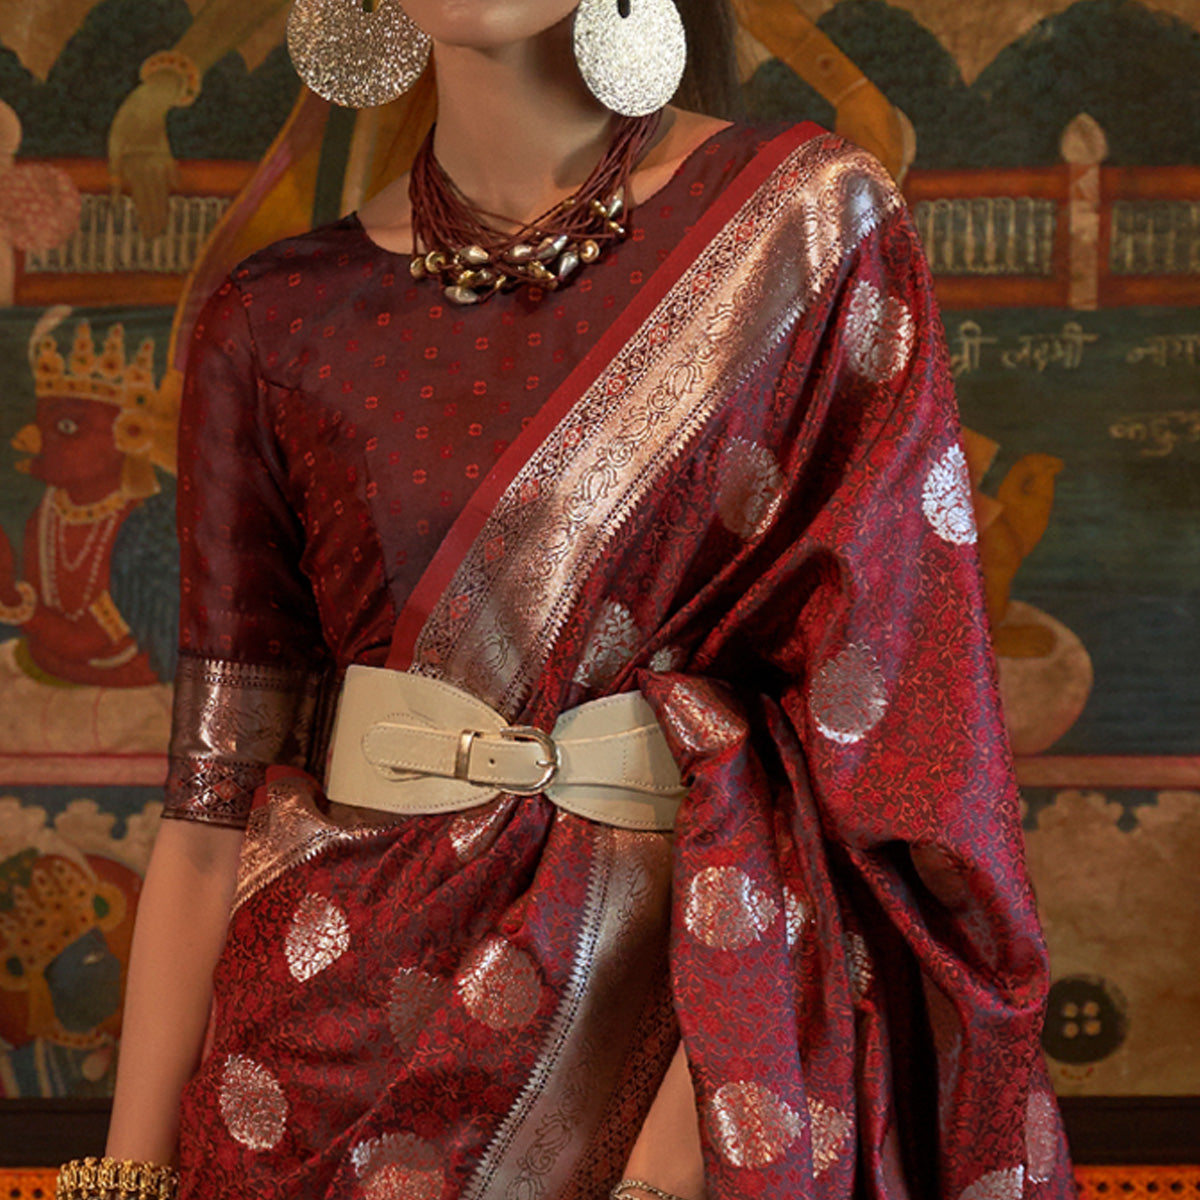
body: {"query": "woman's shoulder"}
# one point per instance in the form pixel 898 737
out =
pixel 326 250
pixel 297 285
pixel 820 154
pixel 803 159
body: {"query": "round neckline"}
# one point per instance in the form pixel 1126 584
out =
pixel 700 148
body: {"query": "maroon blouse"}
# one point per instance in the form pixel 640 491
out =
pixel 336 419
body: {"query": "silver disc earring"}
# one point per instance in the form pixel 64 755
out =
pixel 631 53
pixel 356 58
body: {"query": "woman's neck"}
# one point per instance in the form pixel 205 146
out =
pixel 517 130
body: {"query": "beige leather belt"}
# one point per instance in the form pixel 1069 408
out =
pixel 406 743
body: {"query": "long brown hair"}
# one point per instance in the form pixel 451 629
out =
pixel 710 81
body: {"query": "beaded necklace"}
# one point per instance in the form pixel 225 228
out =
pixel 472 258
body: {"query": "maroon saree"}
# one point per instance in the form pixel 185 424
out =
pixel 743 493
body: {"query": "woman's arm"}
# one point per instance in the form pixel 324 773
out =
pixel 181 923
pixel 251 660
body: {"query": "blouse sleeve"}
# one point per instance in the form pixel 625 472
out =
pixel 251 653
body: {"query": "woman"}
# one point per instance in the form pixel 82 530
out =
pixel 717 467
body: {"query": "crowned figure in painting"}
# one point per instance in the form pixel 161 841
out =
pixel 92 596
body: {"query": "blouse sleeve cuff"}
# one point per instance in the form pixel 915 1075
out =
pixel 212 792
pixel 232 721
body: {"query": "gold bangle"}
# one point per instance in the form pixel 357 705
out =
pixel 116 1179
pixel 621 1191
pixel 19 613
pixel 181 67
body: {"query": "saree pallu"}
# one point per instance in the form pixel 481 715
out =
pixel 749 500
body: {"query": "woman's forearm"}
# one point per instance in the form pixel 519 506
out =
pixel 182 917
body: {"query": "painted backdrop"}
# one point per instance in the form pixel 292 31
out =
pixel 1050 151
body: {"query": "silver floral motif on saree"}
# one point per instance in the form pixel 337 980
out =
pixel 499 985
pixel 412 996
pixel 1008 1184
pixel 749 488
pixel 252 1103
pixel 848 696
pixel 1041 1136
pixel 612 643
pixel 830 1130
pixel 318 936
pixel 397 1166
pixel 752 1125
pixel 880 334
pixel 798 915
pixel 726 909
pixel 946 499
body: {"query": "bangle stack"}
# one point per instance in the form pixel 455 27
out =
pixel 114 1179
pixel 178 65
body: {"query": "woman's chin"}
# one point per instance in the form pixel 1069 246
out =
pixel 489 26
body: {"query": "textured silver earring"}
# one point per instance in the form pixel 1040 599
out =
pixel 356 58
pixel 631 53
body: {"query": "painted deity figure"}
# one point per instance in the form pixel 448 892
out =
pixel 93 593
pixel 60 979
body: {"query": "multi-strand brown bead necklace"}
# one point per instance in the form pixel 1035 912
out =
pixel 473 259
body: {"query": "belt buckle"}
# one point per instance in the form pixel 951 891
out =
pixel 514 733
pixel 549 764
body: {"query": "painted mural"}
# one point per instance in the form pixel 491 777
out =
pixel 1050 152
pixel 64 852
